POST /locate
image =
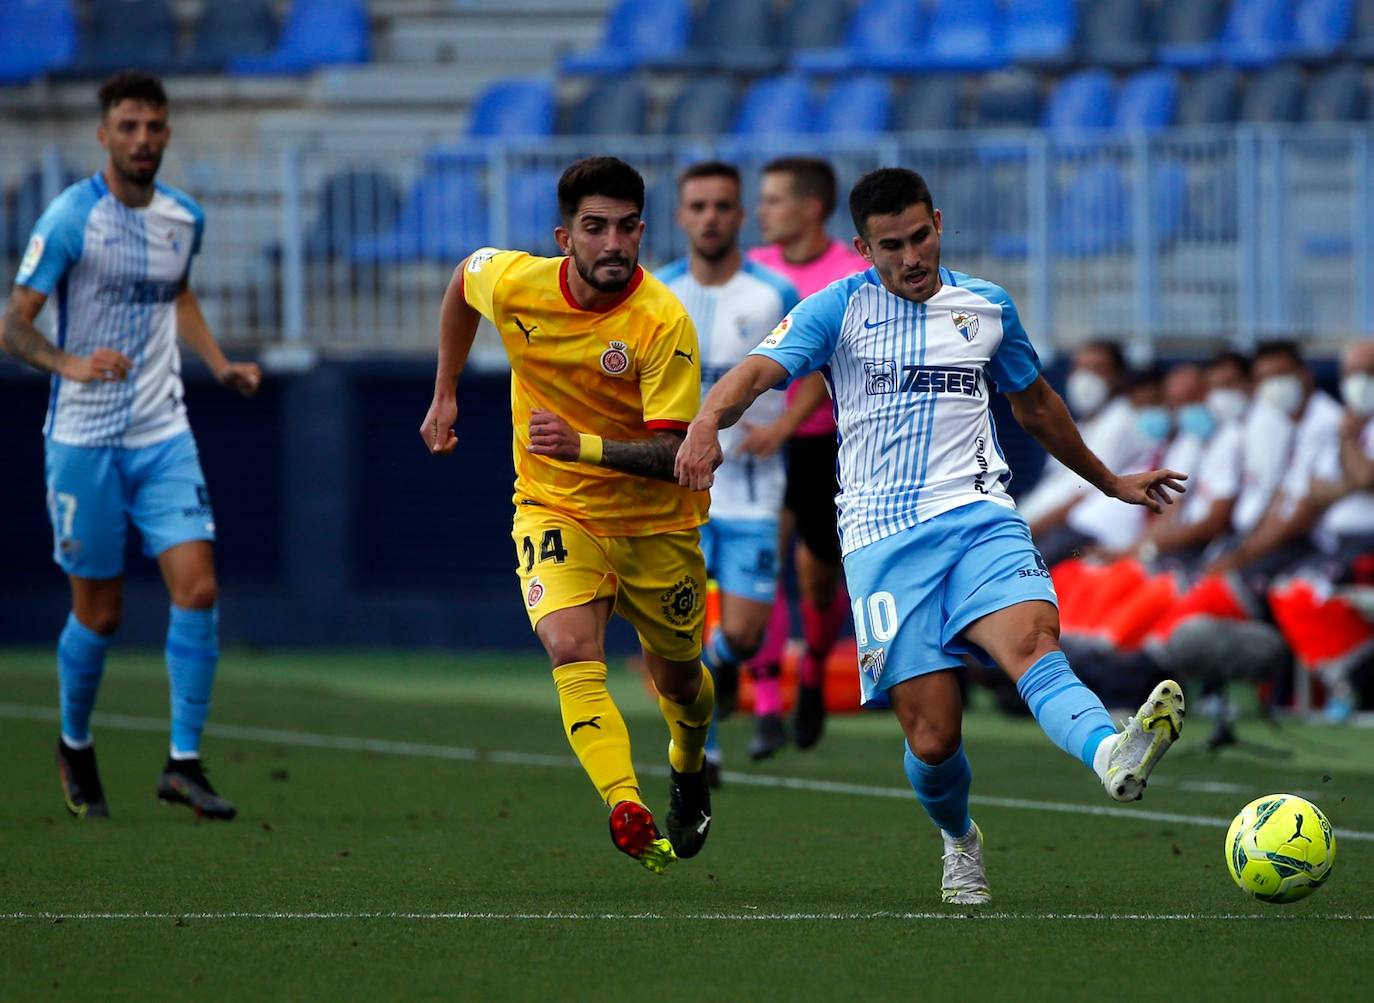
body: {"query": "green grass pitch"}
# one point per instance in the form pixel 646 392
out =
pixel 412 826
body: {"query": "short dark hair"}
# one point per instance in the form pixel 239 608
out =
pixel 1279 346
pixel 886 192
pixel 609 177
pixel 709 169
pixel 132 85
pixel 812 177
pixel 1230 357
pixel 1113 349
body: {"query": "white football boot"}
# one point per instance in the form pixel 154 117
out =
pixel 965 882
pixel 1142 743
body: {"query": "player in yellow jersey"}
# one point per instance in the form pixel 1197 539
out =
pixel 604 380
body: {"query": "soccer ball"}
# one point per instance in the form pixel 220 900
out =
pixel 1280 848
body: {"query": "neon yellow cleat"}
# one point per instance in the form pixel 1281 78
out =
pixel 965 881
pixel 1143 742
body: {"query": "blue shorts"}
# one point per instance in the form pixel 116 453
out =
pixel 742 556
pixel 95 492
pixel 915 591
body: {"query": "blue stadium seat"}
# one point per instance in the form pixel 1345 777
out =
pixel 443 218
pixel 317 33
pixel 1114 34
pixel 1187 31
pixel 1276 95
pixel 227 30
pixel 1361 44
pixel 637 31
pixel 1082 100
pixel 882 34
pixel 935 102
pixel 963 35
pixel 855 105
pixel 1146 101
pixel 1338 95
pixel 1257 33
pixel 775 106
pixel 124 33
pixel 532 205
pixel 514 107
pixel 36 36
pixel 1321 27
pixel 612 106
pixel 354 205
pixel 1008 100
pixel 1040 32
pixel 1093 214
pixel 705 106
pixel 813 24
pixel 738 36
pixel 1211 98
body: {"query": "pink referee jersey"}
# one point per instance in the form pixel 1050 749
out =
pixel 837 261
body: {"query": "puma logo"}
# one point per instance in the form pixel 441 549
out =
pixel 1297 833
pixel 685 355
pixel 526 331
pixel 589 723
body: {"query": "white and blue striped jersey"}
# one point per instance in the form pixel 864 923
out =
pixel 911 385
pixel 731 319
pixel 116 272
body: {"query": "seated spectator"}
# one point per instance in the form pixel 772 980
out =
pixel 1097 394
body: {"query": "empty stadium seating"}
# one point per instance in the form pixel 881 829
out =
pixel 637 32
pixel 124 33
pixel 229 30
pixel 36 37
pixel 317 33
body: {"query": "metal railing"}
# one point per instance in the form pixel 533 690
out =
pixel 1235 234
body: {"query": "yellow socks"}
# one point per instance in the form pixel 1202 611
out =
pixel 688 725
pixel 596 731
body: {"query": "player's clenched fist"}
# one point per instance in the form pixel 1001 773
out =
pixel 437 428
pixel 245 377
pixel 698 456
pixel 104 365
pixel 550 435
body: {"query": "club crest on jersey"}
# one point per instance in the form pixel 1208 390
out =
pixel 535 593
pixel 682 603
pixel 872 662
pixel 615 359
pixel 778 333
pixel 965 323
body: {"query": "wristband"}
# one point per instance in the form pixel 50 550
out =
pixel 588 448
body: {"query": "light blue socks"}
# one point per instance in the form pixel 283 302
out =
pixel 80 664
pixel 942 789
pixel 192 654
pixel 1066 710
pixel 717 653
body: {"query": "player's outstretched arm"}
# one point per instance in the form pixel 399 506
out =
pixel 458 322
pixel 653 457
pixel 245 377
pixel 1043 413
pixel 700 454
pixel 26 343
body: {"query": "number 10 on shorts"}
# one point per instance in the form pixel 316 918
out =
pixel 875 615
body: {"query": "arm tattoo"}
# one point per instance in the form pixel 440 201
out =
pixel 651 457
pixel 27 344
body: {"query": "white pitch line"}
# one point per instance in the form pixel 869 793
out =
pixel 709 917
pixel 424 750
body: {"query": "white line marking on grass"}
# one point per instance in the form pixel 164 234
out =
pixel 709 917
pixel 424 750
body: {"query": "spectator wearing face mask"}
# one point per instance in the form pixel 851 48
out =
pixel 1326 632
pixel 1096 393
pixel 1101 524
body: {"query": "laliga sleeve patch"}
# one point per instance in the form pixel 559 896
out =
pixel 32 256
pixel 778 333
pixel 480 257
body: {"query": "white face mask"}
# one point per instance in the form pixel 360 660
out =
pixel 1227 404
pixel 1086 392
pixel 1283 392
pixel 1357 390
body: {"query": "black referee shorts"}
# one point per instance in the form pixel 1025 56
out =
pixel 812 484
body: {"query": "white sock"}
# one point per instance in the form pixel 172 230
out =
pixel 1103 755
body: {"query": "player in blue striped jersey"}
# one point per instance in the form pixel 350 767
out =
pixel 115 249
pixel 734 303
pixel 940 566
